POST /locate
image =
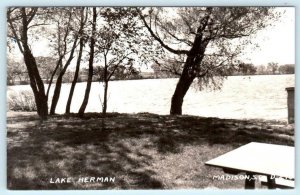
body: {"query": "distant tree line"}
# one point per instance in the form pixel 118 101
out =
pixel 274 68
pixel 169 70
pixel 269 69
pixel 17 74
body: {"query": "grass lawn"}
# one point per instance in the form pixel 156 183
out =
pixel 141 151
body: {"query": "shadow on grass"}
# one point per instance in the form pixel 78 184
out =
pixel 120 146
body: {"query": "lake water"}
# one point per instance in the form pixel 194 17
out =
pixel 241 97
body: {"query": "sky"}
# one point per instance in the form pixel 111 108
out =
pixel 276 43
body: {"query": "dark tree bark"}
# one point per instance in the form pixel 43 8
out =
pixel 61 54
pixel 81 45
pixel 104 109
pixel 91 61
pixel 57 89
pixel 105 81
pixel 53 74
pixel 182 87
pixel 36 82
pixel 60 65
pixel 74 82
pixel 191 66
pixel 189 73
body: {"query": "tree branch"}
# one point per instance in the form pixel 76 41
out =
pixel 191 31
pixel 189 43
pixel 14 32
pixel 159 40
pixel 31 14
pixel 117 65
pixel 35 25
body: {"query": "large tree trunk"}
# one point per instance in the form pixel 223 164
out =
pixel 36 82
pixel 189 73
pixel 91 61
pixel 191 68
pixel 182 87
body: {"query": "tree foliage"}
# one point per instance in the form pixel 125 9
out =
pixel 287 69
pixel 247 69
pixel 121 44
pixel 46 66
pixel 20 22
pixel 272 67
pixel 192 43
pixel 15 70
pixel 210 39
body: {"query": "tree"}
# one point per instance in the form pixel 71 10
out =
pixel 20 21
pixel 168 67
pixel 272 67
pixel 15 70
pixel 68 76
pixel 132 73
pixel 287 69
pixel 117 46
pixel 209 38
pixel 60 38
pixel 91 62
pixel 120 73
pixel 71 36
pixel 247 69
pixel 46 66
pixel 261 69
pixel 82 41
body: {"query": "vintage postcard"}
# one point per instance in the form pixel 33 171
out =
pixel 150 98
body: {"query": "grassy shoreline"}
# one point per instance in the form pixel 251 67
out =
pixel 142 151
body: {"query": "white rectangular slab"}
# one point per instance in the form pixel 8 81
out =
pixel 259 158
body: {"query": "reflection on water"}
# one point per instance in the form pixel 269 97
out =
pixel 241 97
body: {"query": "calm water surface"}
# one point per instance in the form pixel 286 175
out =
pixel 241 97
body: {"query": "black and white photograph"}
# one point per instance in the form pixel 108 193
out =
pixel 168 98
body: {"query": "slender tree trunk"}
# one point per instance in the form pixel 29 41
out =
pixel 61 55
pixel 59 65
pixel 105 81
pixel 104 109
pixel 52 75
pixel 56 94
pixel 74 82
pixel 57 89
pixel 91 61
